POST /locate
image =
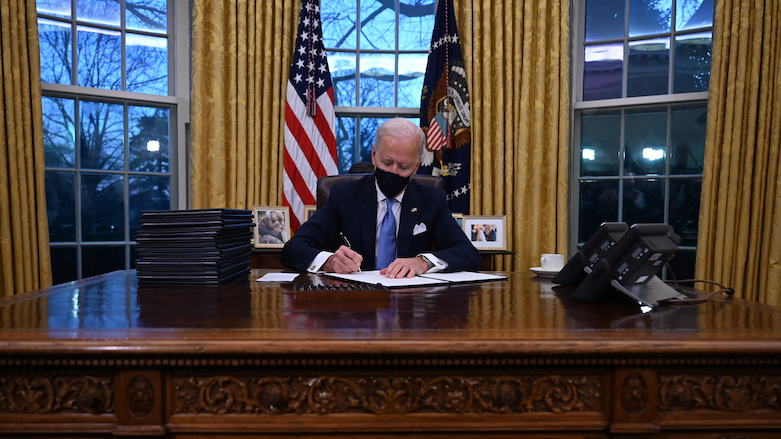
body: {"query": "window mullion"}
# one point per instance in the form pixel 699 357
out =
pixel 668 160
pixel 396 57
pixel 625 69
pixel 621 161
pixel 386 23
pixel 358 60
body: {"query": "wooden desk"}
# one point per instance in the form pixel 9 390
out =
pixel 103 357
pixel 265 258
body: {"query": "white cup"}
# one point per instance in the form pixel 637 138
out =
pixel 552 262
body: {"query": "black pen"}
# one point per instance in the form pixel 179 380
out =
pixel 347 243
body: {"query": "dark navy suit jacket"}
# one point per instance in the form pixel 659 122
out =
pixel 351 208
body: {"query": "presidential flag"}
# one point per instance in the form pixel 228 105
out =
pixel 310 142
pixel 445 115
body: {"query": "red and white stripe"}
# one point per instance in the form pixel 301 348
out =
pixel 310 151
pixel 435 137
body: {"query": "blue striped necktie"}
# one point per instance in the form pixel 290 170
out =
pixel 386 247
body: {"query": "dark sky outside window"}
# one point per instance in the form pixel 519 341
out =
pixel 387 44
pixel 94 145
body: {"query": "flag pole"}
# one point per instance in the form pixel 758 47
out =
pixel 446 103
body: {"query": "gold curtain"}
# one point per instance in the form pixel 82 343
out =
pixel 517 58
pixel 24 227
pixel 740 215
pixel 241 54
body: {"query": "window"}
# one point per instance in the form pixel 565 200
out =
pixel 640 111
pixel 111 130
pixel 386 42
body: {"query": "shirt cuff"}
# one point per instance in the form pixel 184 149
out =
pixel 318 261
pixel 439 264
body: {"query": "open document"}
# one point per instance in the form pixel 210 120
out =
pixel 374 277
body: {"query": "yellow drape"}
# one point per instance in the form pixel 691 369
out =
pixel 24 228
pixel 241 54
pixel 740 215
pixel 517 58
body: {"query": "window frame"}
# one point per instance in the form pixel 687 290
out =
pixel 177 102
pixel 361 112
pixel 579 106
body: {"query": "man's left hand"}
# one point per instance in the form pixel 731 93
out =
pixel 405 267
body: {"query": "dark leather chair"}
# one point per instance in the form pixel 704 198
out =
pixel 324 183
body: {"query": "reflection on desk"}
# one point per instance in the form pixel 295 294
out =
pixel 524 304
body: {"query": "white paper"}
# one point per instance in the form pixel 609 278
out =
pixel 464 276
pixel 374 277
pixel 277 277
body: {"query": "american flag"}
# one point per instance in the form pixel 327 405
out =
pixel 310 143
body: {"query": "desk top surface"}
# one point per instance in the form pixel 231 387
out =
pixel 524 314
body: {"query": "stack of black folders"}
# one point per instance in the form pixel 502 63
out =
pixel 201 246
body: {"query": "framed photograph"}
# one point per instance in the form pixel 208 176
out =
pixel 272 226
pixel 309 211
pixel 459 217
pixel 486 232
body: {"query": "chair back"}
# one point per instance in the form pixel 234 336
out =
pixel 324 183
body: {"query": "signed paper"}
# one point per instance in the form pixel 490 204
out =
pixel 374 277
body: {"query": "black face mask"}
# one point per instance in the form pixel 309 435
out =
pixel 390 184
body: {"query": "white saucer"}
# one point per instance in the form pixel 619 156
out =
pixel 544 273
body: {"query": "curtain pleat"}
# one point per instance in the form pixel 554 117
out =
pixel 517 57
pixel 740 215
pixel 24 228
pixel 241 52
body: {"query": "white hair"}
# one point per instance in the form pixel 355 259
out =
pixel 401 128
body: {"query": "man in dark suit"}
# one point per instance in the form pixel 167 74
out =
pixel 343 235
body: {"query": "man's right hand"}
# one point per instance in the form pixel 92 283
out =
pixel 344 260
